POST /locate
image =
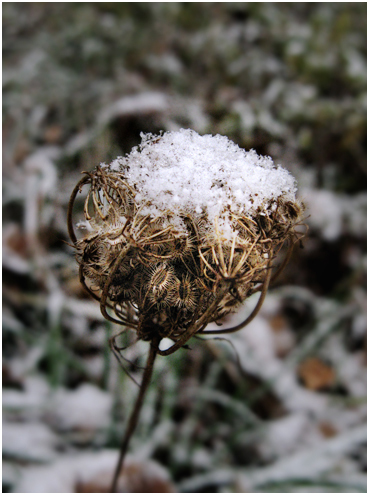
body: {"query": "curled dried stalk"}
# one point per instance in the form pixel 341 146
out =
pixel 163 281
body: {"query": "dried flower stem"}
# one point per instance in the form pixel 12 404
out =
pixel 133 419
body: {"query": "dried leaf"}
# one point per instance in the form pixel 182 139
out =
pixel 315 374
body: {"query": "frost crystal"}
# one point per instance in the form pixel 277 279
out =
pixel 187 173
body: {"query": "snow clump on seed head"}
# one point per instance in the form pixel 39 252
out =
pixel 186 173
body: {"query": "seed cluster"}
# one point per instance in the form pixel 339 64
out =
pixel 162 280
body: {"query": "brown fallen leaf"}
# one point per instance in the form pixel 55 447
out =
pixel 315 374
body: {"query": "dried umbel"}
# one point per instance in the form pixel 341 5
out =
pixel 181 232
pixel 170 273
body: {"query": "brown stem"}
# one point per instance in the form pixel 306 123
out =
pixel 133 419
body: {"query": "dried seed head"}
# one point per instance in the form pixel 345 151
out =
pixel 170 230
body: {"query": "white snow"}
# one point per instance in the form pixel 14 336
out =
pixel 332 214
pixel 286 435
pixel 86 408
pixel 314 460
pixel 31 441
pixel 29 402
pixel 187 173
pixel 141 103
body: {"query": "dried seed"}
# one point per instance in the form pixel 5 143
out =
pixel 184 293
pixel 160 281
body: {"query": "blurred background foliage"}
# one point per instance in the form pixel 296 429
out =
pixel 81 81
